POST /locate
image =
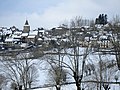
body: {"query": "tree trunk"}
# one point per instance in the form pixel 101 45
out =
pixel 20 87
pixel 77 81
pixel 57 88
pixel 97 86
pixel 78 88
pixel 78 85
pixel 106 87
pixel 29 84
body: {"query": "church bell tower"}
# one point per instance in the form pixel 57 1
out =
pixel 26 27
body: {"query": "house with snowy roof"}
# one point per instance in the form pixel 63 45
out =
pixel 13 29
pixel 59 32
pixel 32 37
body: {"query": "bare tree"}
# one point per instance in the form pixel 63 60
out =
pixel 77 58
pixel 104 72
pixel 56 72
pixel 32 76
pixel 76 65
pixel 73 59
pixel 21 72
pixel 115 40
pixel 116 20
pixel 78 21
pixel 57 75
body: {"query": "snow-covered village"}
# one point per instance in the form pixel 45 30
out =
pixel 79 53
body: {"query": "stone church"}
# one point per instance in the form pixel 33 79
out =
pixel 26 27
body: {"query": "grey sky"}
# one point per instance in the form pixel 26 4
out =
pixel 50 13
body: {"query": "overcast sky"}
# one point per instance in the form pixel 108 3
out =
pixel 51 13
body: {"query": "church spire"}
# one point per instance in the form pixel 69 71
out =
pixel 26 23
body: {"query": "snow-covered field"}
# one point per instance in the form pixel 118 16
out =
pixel 42 67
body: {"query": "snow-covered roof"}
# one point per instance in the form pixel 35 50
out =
pixel 46 39
pixel 18 32
pixel 4 29
pixel 103 37
pixel 31 37
pixel 95 36
pixel 86 26
pixel 23 44
pixel 7 32
pixel 13 29
pixel 107 25
pixel 65 40
pixel 53 38
pixel 33 33
pixel 59 28
pixel 99 26
pixel 40 39
pixel 16 36
pixel 24 34
pixel 109 34
pixel 11 40
pixel 42 31
pixel 79 32
pixel 1 28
